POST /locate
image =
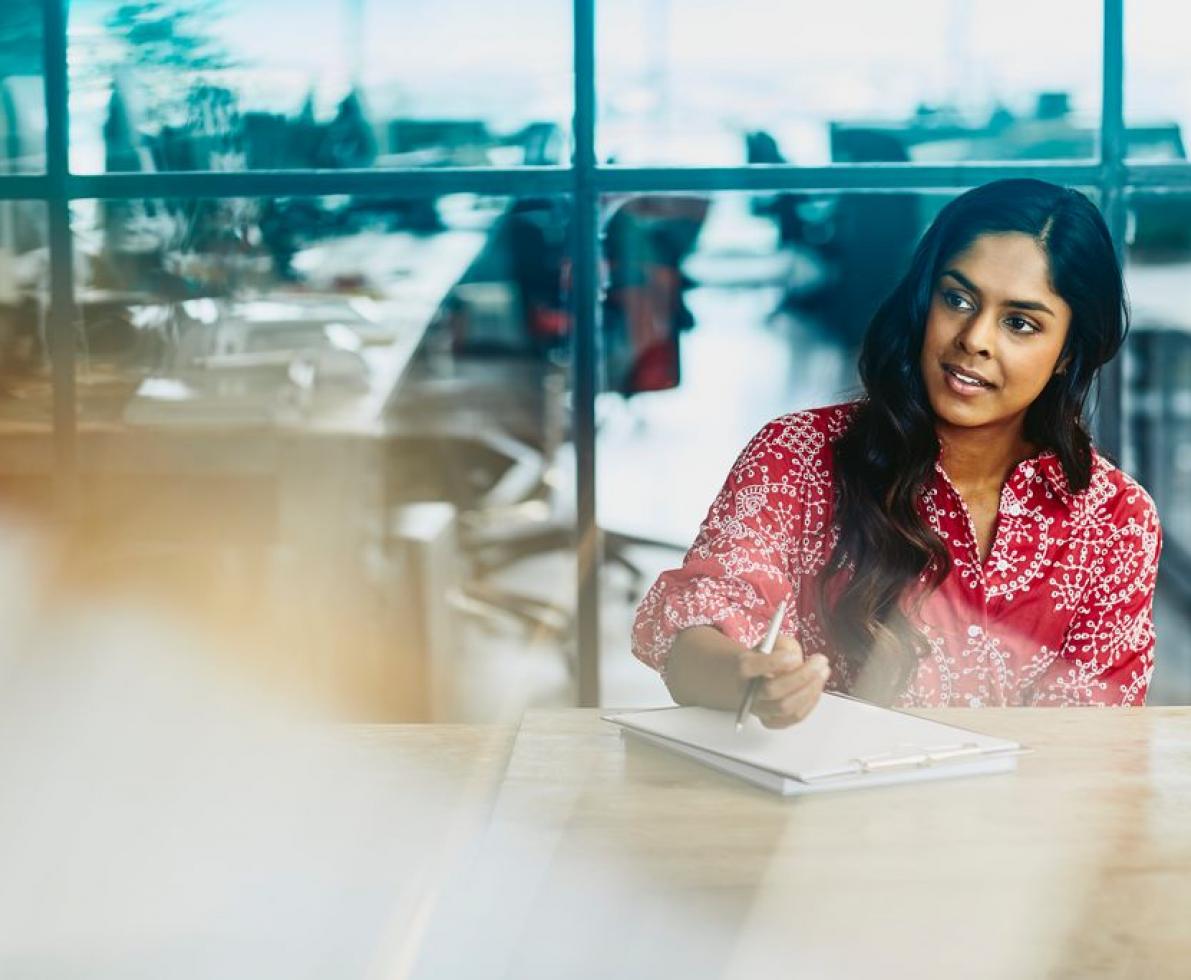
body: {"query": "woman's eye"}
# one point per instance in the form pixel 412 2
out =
pixel 1018 325
pixel 955 300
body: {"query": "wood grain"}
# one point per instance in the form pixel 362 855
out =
pixel 607 857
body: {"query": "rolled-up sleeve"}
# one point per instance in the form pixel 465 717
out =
pixel 744 558
pixel 1108 651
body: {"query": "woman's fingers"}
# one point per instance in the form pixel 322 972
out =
pixel 783 685
pixel 800 704
pixel 786 656
pixel 796 712
pixel 795 706
pixel 792 685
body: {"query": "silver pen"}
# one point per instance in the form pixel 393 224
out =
pixel 766 647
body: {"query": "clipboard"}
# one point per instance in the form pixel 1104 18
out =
pixel 845 743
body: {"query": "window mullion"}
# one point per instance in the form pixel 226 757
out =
pixel 585 358
pixel 1109 414
pixel 61 316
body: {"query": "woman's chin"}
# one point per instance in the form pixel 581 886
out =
pixel 951 410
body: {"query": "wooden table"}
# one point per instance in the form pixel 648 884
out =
pixel 605 857
pixel 561 850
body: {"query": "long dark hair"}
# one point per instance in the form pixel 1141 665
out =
pixel 886 552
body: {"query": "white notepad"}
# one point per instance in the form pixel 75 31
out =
pixel 843 744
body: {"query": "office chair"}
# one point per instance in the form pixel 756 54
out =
pixel 643 314
pixel 482 416
pixel 496 456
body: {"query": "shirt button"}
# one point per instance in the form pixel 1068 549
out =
pixel 1027 471
pixel 1013 509
pixel 973 631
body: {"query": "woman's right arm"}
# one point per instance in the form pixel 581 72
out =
pixel 707 668
pixel 704 667
pixel 697 624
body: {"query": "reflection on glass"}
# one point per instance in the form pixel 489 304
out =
pixel 1157 402
pixel 24 277
pixel 22 94
pixel 1158 412
pixel 720 313
pixel 1157 81
pixel 206 84
pixel 26 484
pixel 682 83
pixel 1158 398
pixel 363 401
pixel 309 303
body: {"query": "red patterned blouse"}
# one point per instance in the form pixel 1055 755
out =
pixel 1060 612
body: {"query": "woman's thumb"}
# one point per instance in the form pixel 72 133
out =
pixel 788 648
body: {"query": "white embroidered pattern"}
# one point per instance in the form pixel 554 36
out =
pixel 1058 613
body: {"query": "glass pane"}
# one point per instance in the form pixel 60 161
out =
pixel 26 400
pixel 337 432
pixel 208 85
pixel 721 313
pixel 22 92
pixel 1157 81
pixel 1158 411
pixel 855 81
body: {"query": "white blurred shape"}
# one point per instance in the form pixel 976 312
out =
pixel 158 819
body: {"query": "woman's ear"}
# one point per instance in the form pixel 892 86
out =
pixel 1061 367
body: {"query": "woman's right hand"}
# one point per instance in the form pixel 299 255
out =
pixel 792 685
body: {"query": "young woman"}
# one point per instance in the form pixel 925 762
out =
pixel 952 538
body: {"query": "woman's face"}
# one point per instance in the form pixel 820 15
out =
pixel 994 333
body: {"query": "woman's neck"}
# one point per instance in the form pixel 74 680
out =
pixel 981 459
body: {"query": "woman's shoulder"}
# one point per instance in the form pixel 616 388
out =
pixel 820 425
pixel 1119 494
pixel 1112 498
pixel 797 443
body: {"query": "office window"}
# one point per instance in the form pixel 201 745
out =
pixel 278 101
pixel 1157 82
pixel 855 81
pixel 1157 409
pixel 242 312
pixel 26 411
pixel 211 85
pixel 22 93
pixel 330 424
pixel 1158 392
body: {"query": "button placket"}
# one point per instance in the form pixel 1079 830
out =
pixel 1009 509
pixel 972 547
pixel 980 599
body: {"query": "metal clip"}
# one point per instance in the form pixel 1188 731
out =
pixel 917 759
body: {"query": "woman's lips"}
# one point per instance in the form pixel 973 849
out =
pixel 955 377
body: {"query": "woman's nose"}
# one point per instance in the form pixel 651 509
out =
pixel 978 335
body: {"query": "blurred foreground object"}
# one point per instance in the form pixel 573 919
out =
pixel 161 817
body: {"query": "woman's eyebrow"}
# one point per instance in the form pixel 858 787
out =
pixel 1020 304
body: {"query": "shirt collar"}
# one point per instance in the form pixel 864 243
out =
pixel 1051 468
pixel 1046 463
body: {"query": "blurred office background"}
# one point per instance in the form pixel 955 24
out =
pixel 334 426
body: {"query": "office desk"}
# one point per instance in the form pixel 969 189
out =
pixel 609 858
